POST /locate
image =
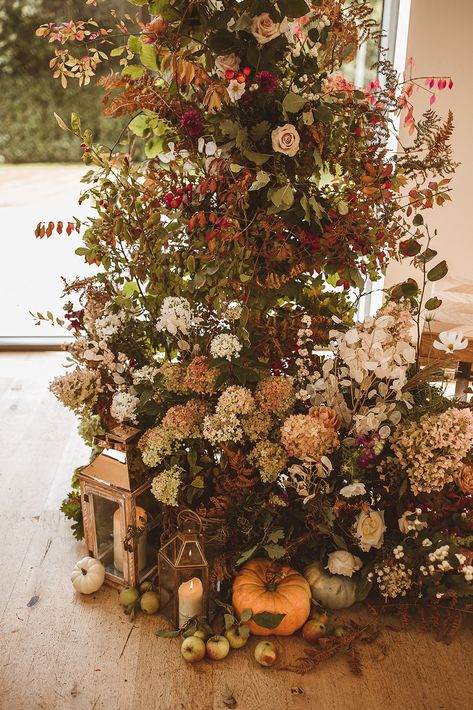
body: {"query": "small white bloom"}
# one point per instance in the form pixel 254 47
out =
pixel 124 406
pixel 225 345
pixel 175 315
pixel 235 90
pixel 450 340
pixel 353 489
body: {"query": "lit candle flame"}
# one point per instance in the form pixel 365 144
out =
pixel 191 584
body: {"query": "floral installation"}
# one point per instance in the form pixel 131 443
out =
pixel 234 246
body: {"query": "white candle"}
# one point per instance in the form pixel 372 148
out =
pixel 118 538
pixel 191 597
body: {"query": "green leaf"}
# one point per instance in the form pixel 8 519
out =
pixel 323 114
pixel 282 197
pixel 259 130
pixel 134 44
pixel 418 220
pixel 235 168
pixel 275 552
pixel 148 57
pixel 229 621
pixel 293 8
pixel 117 52
pixel 438 272
pixel 168 634
pixel 410 247
pixel 246 615
pixel 154 146
pixel 133 71
pixel 293 103
pixel 130 288
pixel 75 124
pixel 198 482
pixel 247 555
pixel 262 179
pixel 139 125
pixel 363 588
pixel 268 620
pixel 256 158
pixel 433 303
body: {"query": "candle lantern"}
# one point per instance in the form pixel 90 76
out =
pixel 184 572
pixel 121 515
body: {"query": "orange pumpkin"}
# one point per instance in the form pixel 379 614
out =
pixel 263 585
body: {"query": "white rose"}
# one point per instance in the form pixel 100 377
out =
pixel 353 489
pixel 406 522
pixel 285 139
pixel 370 529
pixel 225 62
pixel 343 562
pixel 264 29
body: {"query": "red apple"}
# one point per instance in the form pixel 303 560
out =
pixel 218 648
pixel 313 630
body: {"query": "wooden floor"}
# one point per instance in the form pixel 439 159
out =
pixel 60 650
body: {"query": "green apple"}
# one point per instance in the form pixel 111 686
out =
pixel 218 648
pixel 146 586
pixel 193 649
pixel 265 653
pixel 128 595
pixel 313 630
pixel 149 602
pixel 235 638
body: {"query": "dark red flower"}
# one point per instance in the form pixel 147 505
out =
pixel 192 122
pixel 267 82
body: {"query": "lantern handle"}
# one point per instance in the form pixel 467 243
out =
pixel 185 516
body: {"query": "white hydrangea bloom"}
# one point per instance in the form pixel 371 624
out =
pixel 225 345
pixel 124 405
pixel 166 485
pixel 109 325
pixel 175 315
pixel 147 373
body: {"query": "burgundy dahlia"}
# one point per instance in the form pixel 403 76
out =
pixel 192 122
pixel 267 82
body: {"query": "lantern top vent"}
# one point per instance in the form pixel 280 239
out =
pixel 185 548
pixel 114 466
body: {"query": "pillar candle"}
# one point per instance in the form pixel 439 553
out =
pixel 191 598
pixel 119 536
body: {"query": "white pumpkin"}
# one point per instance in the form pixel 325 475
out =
pixel 88 575
pixel 331 590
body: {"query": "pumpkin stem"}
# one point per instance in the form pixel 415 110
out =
pixel 271 586
pixel 84 571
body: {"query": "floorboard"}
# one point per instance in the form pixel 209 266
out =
pixel 63 651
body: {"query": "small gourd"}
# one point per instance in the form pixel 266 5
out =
pixel 333 591
pixel 88 575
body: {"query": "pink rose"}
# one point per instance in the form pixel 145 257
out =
pixel 264 29
pixel 285 139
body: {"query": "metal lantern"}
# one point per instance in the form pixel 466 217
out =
pixel 120 513
pixel 184 572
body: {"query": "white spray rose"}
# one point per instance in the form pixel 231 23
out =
pixel 370 529
pixel 224 62
pixel 343 562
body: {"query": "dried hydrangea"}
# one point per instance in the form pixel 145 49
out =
pixel 276 395
pixel 89 426
pixel 304 437
pixel 167 484
pixel 233 311
pixel 184 421
pixel 225 345
pixel 199 377
pixel 175 316
pixel 257 425
pixel 173 377
pixel 222 427
pixel 270 459
pixel 124 406
pixel 78 389
pixel 155 445
pixel 431 450
pixel 235 400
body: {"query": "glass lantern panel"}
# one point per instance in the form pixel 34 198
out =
pixel 169 550
pixel 148 519
pixel 108 525
pixel 190 555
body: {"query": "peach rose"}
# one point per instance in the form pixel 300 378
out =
pixel 285 139
pixel 264 29
pixel 224 62
pixel 465 479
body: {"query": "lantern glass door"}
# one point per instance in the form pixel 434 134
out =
pixel 106 512
pixel 148 521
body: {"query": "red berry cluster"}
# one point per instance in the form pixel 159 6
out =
pixel 182 195
pixel 241 76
